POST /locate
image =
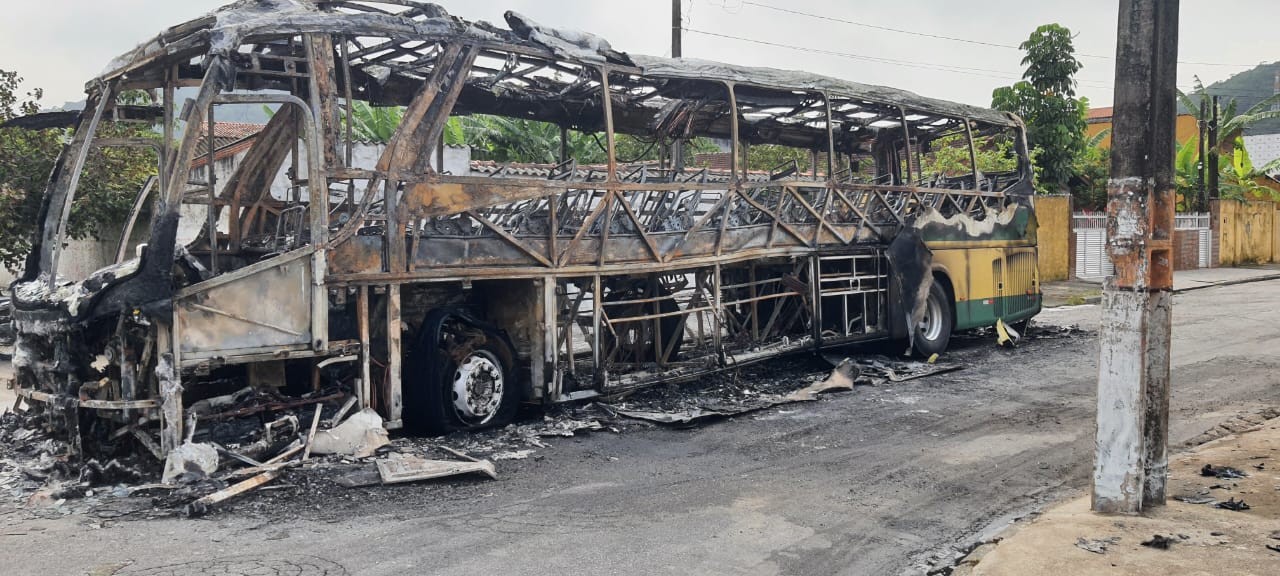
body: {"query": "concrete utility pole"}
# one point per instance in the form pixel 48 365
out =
pixel 677 26
pixel 1131 460
pixel 1214 150
pixel 1202 200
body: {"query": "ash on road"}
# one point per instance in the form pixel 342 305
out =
pixel 882 480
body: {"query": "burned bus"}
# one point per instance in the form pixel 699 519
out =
pixel 444 298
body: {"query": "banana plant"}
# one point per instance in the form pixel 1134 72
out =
pixel 1240 177
pixel 1231 124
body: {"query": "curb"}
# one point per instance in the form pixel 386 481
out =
pixel 1262 278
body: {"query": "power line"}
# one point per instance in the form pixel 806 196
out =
pixel 984 72
pixel 875 27
pixel 980 72
pixel 1192 91
pixel 942 37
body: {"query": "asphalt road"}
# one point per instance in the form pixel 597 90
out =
pixel 869 482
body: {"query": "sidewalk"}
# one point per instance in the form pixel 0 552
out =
pixel 1089 290
pixel 1070 540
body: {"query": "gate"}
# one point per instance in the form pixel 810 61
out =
pixel 1091 246
pixel 1091 242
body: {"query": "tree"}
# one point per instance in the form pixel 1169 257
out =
pixel 1092 168
pixel 506 139
pixel 111 178
pixel 26 158
pixel 374 123
pixel 1231 127
pixel 1231 122
pixel 1046 101
pixel 948 156
pixel 1239 180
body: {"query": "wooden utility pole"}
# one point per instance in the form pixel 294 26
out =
pixel 1131 460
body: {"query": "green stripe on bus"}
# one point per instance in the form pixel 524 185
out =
pixel 983 312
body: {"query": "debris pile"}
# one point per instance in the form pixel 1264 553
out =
pixel 758 387
pixel 1204 495
pixel 251 440
pixel 225 457
pixel 222 457
pixel 1006 336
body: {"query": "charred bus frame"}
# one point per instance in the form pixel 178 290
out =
pixel 463 294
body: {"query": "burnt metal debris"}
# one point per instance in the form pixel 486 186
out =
pixel 394 282
pixel 1096 545
pixel 1224 472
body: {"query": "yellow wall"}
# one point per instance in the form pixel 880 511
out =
pixel 1053 213
pixel 1247 232
pixel 1275 237
pixel 1187 129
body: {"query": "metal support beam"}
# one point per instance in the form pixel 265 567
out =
pixel 1131 460
pixel 362 323
pixel 394 398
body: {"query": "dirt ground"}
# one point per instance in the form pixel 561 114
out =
pixel 1205 539
pixel 891 479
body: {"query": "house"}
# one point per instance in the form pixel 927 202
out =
pixel 1099 119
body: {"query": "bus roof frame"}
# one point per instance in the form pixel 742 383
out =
pixel 222 31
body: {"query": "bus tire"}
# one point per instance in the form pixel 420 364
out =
pixel 472 386
pixel 933 333
pixel 476 392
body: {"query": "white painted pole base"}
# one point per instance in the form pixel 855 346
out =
pixel 1117 467
pixel 1131 455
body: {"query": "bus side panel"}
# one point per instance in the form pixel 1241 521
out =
pixel 991 283
pixel 1022 284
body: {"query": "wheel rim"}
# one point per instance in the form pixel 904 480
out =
pixel 635 339
pixel 931 324
pixel 478 386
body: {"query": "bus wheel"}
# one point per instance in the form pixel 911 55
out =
pixel 474 388
pixel 934 330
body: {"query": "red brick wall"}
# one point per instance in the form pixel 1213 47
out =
pixel 1186 249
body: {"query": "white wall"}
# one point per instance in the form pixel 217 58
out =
pixel 1262 148
pixel 80 258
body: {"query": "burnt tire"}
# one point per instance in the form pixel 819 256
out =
pixel 476 391
pixel 933 333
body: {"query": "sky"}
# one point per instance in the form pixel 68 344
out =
pixel 58 45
